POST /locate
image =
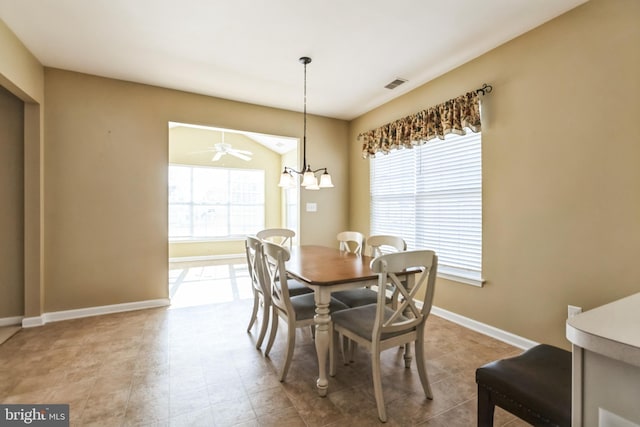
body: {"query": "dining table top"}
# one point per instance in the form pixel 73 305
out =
pixel 325 266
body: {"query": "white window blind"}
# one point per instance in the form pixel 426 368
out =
pixel 431 195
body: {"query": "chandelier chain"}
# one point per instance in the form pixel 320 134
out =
pixel 309 178
pixel 304 135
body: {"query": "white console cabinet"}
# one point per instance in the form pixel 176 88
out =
pixel 606 365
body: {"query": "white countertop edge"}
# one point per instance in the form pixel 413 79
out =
pixel 599 344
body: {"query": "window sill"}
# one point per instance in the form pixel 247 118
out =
pixel 461 277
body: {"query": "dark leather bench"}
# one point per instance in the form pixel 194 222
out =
pixel 535 386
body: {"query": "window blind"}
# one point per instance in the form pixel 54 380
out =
pixel 431 195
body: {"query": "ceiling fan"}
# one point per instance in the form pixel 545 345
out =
pixel 222 148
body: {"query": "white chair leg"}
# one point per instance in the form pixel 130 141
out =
pixel 407 355
pixel 422 369
pixel 291 343
pixel 344 347
pixel 274 330
pixel 377 384
pixel 263 327
pixel 332 352
pixel 254 313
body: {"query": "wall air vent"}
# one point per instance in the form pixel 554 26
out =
pixel 394 84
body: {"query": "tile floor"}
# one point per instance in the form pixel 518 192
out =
pixel 194 364
pixel 7 332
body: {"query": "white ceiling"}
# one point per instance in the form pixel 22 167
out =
pixel 248 50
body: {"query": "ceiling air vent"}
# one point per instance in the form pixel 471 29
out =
pixel 394 84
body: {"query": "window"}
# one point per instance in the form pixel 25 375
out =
pixel 431 195
pixel 207 202
pixel 291 203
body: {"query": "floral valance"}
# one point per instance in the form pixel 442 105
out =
pixel 452 116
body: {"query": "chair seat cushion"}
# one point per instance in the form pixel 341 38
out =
pixel 358 297
pixel 297 288
pixel 305 306
pixel 538 379
pixel 360 320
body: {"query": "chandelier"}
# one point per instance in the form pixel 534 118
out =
pixel 309 178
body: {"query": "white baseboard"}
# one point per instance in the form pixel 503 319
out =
pixel 11 321
pixel 30 322
pixel 57 316
pixel 483 328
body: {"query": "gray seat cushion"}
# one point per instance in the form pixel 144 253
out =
pixel 356 297
pixel 305 306
pixel 360 320
pixel 297 288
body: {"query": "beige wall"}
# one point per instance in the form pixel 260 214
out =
pixel 561 196
pixel 188 145
pixel 20 71
pixel 11 205
pixel 106 176
pixel 23 76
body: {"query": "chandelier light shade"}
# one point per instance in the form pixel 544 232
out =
pixel 289 176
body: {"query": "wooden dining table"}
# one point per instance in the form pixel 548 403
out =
pixel 327 270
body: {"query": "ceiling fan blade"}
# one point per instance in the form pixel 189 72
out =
pixel 218 156
pixel 240 155
pixel 247 152
pixel 208 150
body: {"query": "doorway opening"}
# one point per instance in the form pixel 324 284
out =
pixel 223 186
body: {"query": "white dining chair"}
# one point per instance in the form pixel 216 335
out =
pixel 379 327
pixel 381 244
pixel 281 236
pixel 351 241
pixel 259 286
pixel 284 237
pixel 375 246
pixel 297 311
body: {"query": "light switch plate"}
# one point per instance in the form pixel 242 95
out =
pixel 312 207
pixel 609 419
pixel 572 310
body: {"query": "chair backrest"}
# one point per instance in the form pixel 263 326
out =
pixel 351 241
pixel 253 248
pixel 274 257
pixel 281 236
pixel 385 244
pixel 406 315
